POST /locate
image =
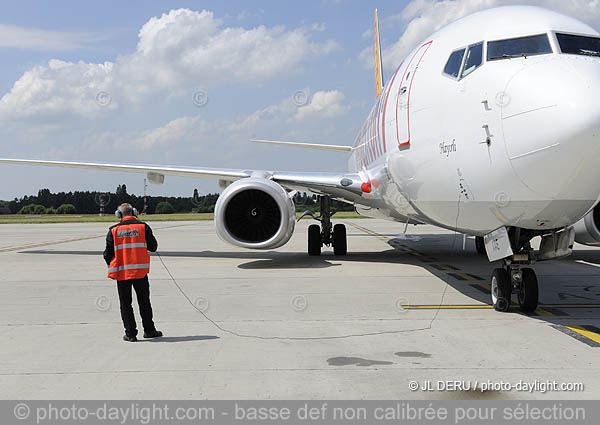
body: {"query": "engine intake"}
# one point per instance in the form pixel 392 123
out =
pixel 587 230
pixel 255 213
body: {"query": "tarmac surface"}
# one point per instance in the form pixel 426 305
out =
pixel 283 325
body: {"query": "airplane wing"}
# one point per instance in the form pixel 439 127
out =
pixel 342 186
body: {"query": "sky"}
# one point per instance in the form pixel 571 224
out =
pixel 187 83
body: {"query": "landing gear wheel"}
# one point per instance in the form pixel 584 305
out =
pixel 528 293
pixel 501 289
pixel 480 245
pixel 314 239
pixel 340 244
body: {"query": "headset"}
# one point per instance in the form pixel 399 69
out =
pixel 119 214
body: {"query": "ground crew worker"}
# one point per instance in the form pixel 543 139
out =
pixel 126 254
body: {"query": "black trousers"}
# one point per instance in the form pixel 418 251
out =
pixel 142 291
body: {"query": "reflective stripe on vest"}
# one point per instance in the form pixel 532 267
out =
pixel 129 267
pixel 131 245
pixel 131 260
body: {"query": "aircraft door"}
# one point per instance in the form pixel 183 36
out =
pixel 405 88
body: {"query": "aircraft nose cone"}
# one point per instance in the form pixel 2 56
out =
pixel 551 125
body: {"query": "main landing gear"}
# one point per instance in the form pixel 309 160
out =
pixel 513 278
pixel 326 234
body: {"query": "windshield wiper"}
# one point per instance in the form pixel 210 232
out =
pixel 507 56
pixel 589 52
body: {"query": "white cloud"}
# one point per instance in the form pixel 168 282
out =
pixel 321 105
pixel 12 36
pixel 175 52
pixel 169 135
pixel 423 17
pixel 319 26
pixel 324 104
pixel 61 87
pixel 214 138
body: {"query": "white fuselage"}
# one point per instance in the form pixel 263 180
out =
pixel 513 143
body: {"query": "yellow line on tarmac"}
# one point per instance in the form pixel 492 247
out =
pixel 584 332
pixel 465 276
pixel 364 229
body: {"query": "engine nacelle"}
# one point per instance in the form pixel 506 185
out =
pixel 587 230
pixel 255 213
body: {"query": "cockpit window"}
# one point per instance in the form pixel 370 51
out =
pixel 454 63
pixel 474 59
pixel 519 47
pixel 579 45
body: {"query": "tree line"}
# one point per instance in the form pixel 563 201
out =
pixel 93 202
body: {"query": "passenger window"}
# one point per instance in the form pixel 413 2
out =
pixel 519 47
pixel 474 59
pixel 454 63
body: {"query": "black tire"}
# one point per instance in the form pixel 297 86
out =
pixel 480 245
pixel 340 243
pixel 501 290
pixel 529 293
pixel 314 239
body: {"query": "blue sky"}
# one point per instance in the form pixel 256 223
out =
pixel 150 58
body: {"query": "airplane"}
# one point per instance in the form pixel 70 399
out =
pixel 490 127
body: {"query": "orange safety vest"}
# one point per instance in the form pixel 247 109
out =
pixel 131 260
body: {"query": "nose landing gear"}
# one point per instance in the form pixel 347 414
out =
pixel 514 277
pixel 326 234
pixel 513 280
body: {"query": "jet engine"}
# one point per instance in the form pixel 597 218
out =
pixel 255 213
pixel 587 230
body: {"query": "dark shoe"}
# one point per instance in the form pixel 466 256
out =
pixel 154 334
pixel 129 338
